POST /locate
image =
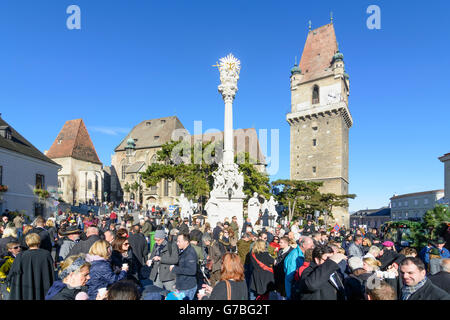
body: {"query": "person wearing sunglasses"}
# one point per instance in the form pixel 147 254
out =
pixel 13 249
pixel 122 254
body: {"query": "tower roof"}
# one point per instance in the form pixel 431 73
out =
pixel 73 141
pixel 320 47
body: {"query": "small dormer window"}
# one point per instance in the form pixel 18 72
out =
pixel 156 137
pixel 163 121
pixel 5 132
pixel 59 141
pixel 148 123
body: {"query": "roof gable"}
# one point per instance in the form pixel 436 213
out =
pixel 320 46
pixel 73 141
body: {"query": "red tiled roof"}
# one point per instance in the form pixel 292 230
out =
pixel 320 47
pixel 74 141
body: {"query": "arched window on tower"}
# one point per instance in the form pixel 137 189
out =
pixel 89 185
pixel 315 95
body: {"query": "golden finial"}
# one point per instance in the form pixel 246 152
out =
pixel 216 65
pixel 331 16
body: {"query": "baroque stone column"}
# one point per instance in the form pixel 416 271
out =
pixel 226 198
pixel 229 68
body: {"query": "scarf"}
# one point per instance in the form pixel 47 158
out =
pixel 285 250
pixel 159 248
pixel 408 291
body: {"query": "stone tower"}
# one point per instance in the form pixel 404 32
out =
pixel 320 119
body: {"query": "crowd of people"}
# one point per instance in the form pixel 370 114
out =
pixel 89 257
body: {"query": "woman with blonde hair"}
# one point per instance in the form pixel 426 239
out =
pixel 371 265
pixel 232 285
pixel 366 244
pixel 373 252
pixel 101 272
pixel 74 274
pixel 262 279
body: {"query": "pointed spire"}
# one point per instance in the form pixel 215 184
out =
pixel 331 16
pixel 310 25
pixel 294 65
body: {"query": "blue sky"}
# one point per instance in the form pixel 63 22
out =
pixel 140 59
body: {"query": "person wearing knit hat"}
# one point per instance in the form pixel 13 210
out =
pixel 160 234
pixel 388 244
pixel 164 254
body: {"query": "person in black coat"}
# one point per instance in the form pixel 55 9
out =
pixel 217 230
pixel 262 279
pixel 355 284
pixel 416 285
pixel 186 270
pixel 309 228
pixel 46 241
pixel 278 267
pixel 138 244
pixel 32 273
pixel 84 246
pixel 321 280
pixel 123 254
pixel 184 227
pixel 442 278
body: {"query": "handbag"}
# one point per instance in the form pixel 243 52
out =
pixel 228 290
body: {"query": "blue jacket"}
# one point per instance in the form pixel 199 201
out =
pixel 56 287
pixel 292 262
pixel 186 270
pixel 444 253
pixel 101 275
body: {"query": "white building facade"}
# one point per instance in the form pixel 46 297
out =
pixel 413 206
pixel 23 168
